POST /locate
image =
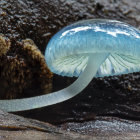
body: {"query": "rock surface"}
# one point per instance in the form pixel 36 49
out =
pixel 23 71
pixel 105 126
pixel 14 127
pixel 18 128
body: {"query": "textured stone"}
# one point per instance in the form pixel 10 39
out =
pixel 14 127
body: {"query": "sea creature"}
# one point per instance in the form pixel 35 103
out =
pixel 88 48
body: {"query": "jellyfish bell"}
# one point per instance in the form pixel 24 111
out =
pixel 86 49
pixel 68 51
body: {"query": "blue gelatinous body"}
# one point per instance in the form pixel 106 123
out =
pixel 67 52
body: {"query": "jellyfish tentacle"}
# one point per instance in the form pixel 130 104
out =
pixel 94 62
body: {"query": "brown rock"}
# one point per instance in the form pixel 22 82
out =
pixel 4 45
pixel 23 71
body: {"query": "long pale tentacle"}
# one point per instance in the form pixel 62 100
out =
pixel 95 60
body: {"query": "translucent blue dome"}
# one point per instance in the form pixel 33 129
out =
pixel 68 51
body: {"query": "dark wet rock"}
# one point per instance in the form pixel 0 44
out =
pixel 104 126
